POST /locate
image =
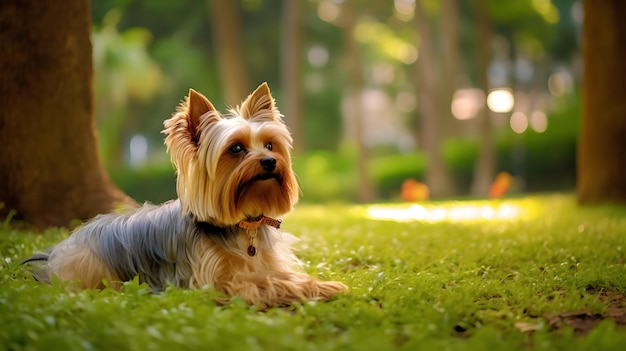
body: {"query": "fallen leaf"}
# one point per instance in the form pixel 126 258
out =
pixel 526 327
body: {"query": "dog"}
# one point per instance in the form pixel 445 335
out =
pixel 234 179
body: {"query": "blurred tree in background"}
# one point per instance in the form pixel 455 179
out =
pixel 446 92
pixel 291 66
pixel 226 28
pixel 355 87
pixel 486 163
pixel 433 95
pixel 602 149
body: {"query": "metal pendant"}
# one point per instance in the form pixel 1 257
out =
pixel 251 251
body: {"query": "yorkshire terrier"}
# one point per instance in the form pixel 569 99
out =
pixel 234 179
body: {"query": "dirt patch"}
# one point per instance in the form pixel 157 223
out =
pixel 584 321
pixel 581 321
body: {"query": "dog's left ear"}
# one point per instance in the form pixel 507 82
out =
pixel 260 104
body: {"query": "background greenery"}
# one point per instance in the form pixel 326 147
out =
pixel 148 53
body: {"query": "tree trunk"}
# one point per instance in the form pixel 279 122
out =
pixel 354 68
pixel 50 170
pixel 449 54
pixel 290 70
pixel 437 176
pixel 601 163
pixel 228 47
pixel 485 167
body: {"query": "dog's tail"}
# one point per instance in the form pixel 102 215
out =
pixel 37 264
pixel 41 256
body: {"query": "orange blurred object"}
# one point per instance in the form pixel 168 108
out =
pixel 413 191
pixel 500 185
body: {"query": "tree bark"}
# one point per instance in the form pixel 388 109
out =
pixel 449 54
pixel 291 48
pixel 226 26
pixel 601 159
pixel 50 170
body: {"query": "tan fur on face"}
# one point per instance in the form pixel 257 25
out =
pixel 215 185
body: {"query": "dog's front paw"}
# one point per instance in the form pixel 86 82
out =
pixel 279 288
pixel 326 290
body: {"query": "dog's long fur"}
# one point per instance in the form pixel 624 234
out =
pixel 223 178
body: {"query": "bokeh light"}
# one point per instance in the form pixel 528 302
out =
pixel 466 103
pixel 328 11
pixel 407 53
pixel 518 122
pixel 560 83
pixel 500 100
pixel 404 9
pixel 138 150
pixel 406 102
pixel 383 73
pixel 317 56
pixel 539 121
pixel 547 10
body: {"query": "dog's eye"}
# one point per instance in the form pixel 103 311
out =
pixel 268 146
pixel 236 149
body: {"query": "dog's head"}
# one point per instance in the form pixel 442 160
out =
pixel 233 167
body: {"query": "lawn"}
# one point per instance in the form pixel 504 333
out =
pixel 530 273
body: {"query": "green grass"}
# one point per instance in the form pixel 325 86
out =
pixel 440 282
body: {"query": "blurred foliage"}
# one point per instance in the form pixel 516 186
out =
pixel 154 184
pixel 540 161
pixel 148 53
pixel 124 71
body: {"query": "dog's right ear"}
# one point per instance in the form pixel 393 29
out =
pixel 197 106
pixel 192 115
pixel 185 127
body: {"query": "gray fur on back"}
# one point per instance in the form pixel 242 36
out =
pixel 152 242
pixel 155 244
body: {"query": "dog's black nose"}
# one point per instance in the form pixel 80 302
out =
pixel 268 163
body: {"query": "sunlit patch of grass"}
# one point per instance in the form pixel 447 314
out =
pixel 472 280
pixel 455 213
